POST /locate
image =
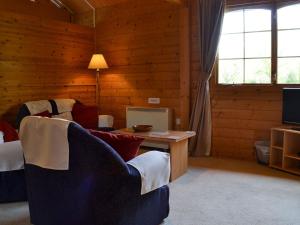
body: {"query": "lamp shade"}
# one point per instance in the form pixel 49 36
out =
pixel 98 62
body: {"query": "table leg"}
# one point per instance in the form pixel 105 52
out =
pixel 179 158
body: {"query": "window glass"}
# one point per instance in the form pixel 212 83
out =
pixel 288 62
pixel 231 46
pixel 257 20
pixel 233 22
pixel 288 71
pixel 258 71
pixel 231 71
pixel 289 17
pixel 258 44
pixel 289 43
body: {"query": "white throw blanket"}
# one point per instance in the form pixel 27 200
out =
pixel 36 107
pixel 1 137
pixel 11 156
pixel 64 105
pixel 45 142
pixel 154 168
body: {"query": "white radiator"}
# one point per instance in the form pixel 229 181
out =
pixel 159 118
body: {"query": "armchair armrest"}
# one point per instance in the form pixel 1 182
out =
pixel 154 168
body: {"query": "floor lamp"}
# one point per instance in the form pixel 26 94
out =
pixel 98 62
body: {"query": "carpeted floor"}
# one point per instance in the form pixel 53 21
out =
pixel 218 192
pixel 14 214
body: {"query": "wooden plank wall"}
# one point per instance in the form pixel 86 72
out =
pixel 140 40
pixel 84 18
pixel 240 114
pixel 42 59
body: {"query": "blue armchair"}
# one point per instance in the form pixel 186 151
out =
pixel 98 188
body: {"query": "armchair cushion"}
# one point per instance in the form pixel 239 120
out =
pixel 10 134
pixel 86 116
pixel 127 146
pixel 154 168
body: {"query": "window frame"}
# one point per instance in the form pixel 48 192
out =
pixel 274 43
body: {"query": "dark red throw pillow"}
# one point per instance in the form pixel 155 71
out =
pixel 86 116
pixel 43 114
pixel 127 146
pixel 10 134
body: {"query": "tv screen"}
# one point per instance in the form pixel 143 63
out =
pixel 291 106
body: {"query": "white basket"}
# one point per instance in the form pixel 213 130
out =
pixel 262 151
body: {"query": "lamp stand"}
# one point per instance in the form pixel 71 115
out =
pixel 97 89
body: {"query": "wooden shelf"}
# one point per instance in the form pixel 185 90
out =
pixel 277 147
pixel 292 156
pixel 285 143
pixel 277 137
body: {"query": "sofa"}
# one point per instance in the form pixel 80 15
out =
pixel 12 178
pixel 52 107
pixel 83 180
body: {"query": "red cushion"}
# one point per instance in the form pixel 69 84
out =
pixel 10 134
pixel 86 116
pixel 43 114
pixel 127 146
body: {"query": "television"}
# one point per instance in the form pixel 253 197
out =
pixel 291 106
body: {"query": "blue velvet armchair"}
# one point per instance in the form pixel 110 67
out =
pixel 98 188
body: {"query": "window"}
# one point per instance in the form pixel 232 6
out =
pixel 246 55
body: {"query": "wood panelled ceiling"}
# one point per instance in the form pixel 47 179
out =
pixel 79 6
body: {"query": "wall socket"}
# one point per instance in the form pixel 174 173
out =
pixel 154 100
pixel 178 121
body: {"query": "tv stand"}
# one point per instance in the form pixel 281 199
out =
pixel 285 149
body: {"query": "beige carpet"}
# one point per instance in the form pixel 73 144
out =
pixel 229 192
pixel 218 192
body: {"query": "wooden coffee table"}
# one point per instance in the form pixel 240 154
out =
pixel 178 146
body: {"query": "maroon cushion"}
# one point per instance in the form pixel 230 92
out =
pixel 43 114
pixel 127 146
pixel 10 134
pixel 86 116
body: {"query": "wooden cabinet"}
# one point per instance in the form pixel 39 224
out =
pixel 285 150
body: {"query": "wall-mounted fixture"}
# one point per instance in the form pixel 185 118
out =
pixel 60 4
